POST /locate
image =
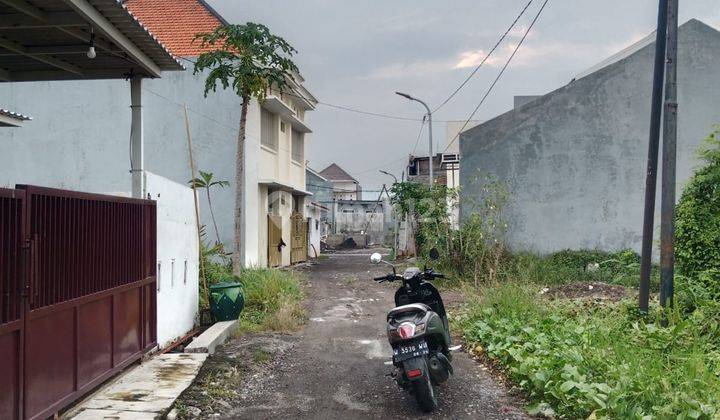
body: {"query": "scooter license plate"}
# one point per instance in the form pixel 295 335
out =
pixel 409 350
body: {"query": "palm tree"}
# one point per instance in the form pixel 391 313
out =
pixel 206 181
pixel 250 60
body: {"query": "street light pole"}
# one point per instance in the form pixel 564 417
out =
pixel 389 174
pixel 429 114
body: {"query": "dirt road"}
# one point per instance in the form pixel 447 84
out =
pixel 337 366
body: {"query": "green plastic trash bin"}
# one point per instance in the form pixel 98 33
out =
pixel 226 301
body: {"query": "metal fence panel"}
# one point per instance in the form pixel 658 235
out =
pixel 88 262
pixel 11 310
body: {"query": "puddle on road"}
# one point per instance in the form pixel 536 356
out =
pixel 343 312
pixel 342 396
pixel 373 349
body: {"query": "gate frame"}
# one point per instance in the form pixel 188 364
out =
pixel 26 259
pixel 22 247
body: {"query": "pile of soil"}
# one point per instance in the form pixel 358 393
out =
pixel 348 243
pixel 589 290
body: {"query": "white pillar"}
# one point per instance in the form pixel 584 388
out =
pixel 137 141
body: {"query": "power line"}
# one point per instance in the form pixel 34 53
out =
pixel 492 86
pixel 344 107
pixel 373 114
pixel 497 44
pixel 419 135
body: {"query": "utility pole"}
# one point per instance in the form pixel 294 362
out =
pixel 653 145
pixel 429 114
pixel 393 212
pixel 669 157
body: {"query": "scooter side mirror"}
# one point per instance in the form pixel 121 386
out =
pixel 434 254
pixel 376 258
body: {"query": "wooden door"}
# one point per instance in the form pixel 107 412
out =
pixel 275 241
pixel 299 225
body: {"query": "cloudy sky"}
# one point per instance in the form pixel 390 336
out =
pixel 357 53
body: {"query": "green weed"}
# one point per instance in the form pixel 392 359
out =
pixel 575 360
pixel 273 301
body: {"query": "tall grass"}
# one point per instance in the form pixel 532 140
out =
pixel 273 301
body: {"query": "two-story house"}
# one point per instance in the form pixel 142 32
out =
pixel 345 187
pixel 277 130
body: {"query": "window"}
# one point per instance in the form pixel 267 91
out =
pixel 268 132
pixel 413 168
pixel 298 146
pixel 348 211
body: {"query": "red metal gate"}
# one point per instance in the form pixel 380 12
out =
pixel 77 275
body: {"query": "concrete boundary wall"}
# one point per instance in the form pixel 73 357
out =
pixel 177 258
pixel 574 160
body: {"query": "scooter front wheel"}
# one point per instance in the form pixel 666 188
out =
pixel 425 394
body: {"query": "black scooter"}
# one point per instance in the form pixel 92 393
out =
pixel 419 333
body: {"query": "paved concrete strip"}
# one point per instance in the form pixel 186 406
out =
pixel 147 391
pixel 94 414
pixel 211 338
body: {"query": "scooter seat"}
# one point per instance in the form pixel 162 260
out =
pixel 413 307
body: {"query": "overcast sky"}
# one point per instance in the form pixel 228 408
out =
pixel 357 53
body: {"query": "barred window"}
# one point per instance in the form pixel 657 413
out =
pixel 268 132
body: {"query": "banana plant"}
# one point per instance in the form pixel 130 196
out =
pixel 206 182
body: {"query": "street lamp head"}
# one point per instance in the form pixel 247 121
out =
pixel 405 95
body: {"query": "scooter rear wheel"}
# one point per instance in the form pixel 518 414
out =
pixel 425 395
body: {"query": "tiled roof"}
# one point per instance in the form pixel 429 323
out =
pixel 176 22
pixel 336 173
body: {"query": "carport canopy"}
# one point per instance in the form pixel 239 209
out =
pixel 43 40
pixel 49 40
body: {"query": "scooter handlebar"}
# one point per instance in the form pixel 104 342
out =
pixel 389 277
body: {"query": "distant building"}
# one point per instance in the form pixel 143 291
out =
pixel 575 159
pixel 345 187
pixel 320 187
pixel 319 209
pixel 369 217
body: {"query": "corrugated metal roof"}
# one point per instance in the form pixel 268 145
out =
pixel 14 115
pixel 48 40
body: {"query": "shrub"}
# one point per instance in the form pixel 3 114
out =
pixel 698 216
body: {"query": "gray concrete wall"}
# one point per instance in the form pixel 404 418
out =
pixel 79 137
pixel 322 190
pixel 353 217
pixel 575 159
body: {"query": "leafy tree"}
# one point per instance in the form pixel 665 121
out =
pixel 251 61
pixel 698 216
pixel 206 182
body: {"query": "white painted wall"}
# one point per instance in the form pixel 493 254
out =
pixel 315 228
pixel 177 258
pixel 345 190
